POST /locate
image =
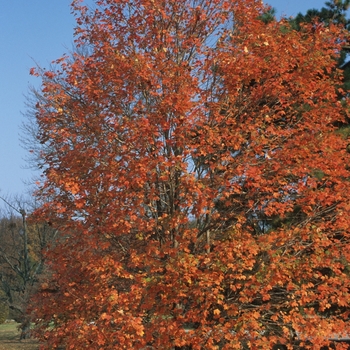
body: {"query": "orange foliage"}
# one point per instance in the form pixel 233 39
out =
pixel 201 187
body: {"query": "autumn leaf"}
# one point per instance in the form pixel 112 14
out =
pixel 182 157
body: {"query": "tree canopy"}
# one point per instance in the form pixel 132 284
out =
pixel 334 12
pixel 191 160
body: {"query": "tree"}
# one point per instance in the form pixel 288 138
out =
pixel 168 149
pixel 335 12
pixel 21 260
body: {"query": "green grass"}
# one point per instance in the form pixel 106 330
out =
pixel 10 338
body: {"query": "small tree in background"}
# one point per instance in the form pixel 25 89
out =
pixel 170 148
pixel 21 260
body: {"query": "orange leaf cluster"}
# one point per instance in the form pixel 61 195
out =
pixel 195 171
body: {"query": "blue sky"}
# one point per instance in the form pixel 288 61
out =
pixel 41 31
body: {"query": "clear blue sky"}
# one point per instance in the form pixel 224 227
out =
pixel 41 31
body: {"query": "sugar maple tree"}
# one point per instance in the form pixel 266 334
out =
pixel 192 162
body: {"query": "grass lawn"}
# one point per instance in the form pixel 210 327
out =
pixel 9 338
